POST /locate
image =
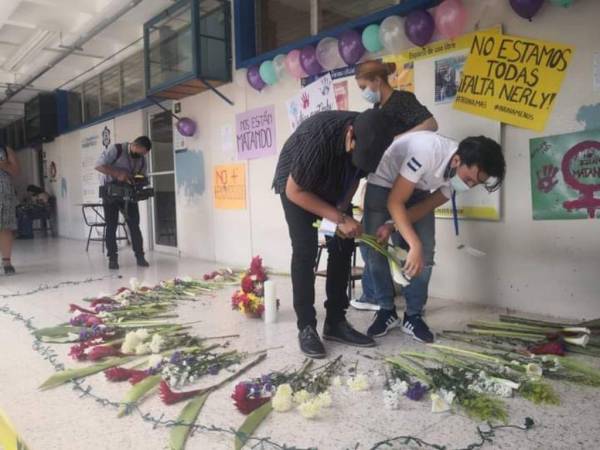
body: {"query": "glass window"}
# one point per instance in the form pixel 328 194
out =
pixel 74 107
pixel 133 78
pixel 335 12
pixel 213 45
pixel 111 89
pixel 281 22
pixel 91 94
pixel 170 43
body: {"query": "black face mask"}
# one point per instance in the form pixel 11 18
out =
pixel 135 155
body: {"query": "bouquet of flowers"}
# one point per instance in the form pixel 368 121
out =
pixel 250 298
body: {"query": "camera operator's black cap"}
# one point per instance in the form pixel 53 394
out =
pixel 373 134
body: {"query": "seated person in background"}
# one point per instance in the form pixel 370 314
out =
pixel 34 206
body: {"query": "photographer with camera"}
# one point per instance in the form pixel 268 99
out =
pixel 123 166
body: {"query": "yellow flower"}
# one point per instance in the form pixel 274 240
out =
pixel 302 396
pixel 358 383
pixel 310 409
pixel 282 400
pixel 324 399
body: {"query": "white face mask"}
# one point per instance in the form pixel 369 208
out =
pixel 458 185
pixel 371 96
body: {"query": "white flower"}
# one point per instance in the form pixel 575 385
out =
pixel 400 387
pixel 135 284
pixel 391 399
pixel 582 340
pixel 157 343
pixel 142 349
pixel 310 409
pixel 576 330
pixel 186 279
pixel 282 400
pixel 358 383
pixel 132 340
pixel 448 396
pixel 123 294
pixel 438 404
pixel 324 399
pixel 533 371
pixel 154 360
pixel 302 396
pixel 142 334
pixel 337 381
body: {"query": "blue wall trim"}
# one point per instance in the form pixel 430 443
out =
pixel 245 37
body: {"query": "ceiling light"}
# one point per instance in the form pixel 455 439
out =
pixel 29 49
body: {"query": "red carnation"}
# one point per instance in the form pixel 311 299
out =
pixel 169 397
pixel 244 404
pixel 261 275
pixel 73 307
pixel 103 301
pixel 247 284
pixel 77 352
pixel 121 289
pixel 556 347
pixel 103 351
pixel 118 374
pixel 256 265
pixel 137 376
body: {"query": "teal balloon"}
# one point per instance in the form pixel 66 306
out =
pixel 267 73
pixel 370 38
pixel 563 3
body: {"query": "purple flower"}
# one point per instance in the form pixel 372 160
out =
pixel 175 357
pixel 214 369
pixel 416 391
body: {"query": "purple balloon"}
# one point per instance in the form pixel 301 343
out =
pixel 309 62
pixel 253 77
pixel 419 27
pixel 350 46
pixel 526 8
pixel 186 126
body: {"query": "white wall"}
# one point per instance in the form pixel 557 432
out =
pixel 544 266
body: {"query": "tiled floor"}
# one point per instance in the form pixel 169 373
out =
pixel 59 419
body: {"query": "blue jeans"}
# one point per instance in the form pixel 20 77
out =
pixel 377 283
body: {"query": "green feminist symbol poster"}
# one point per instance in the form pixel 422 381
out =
pixel 565 176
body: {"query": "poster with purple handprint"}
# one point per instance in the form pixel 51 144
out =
pixel 317 96
pixel 565 176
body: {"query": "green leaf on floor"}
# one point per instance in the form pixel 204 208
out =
pixel 65 376
pixel 254 419
pixel 138 391
pixel 188 416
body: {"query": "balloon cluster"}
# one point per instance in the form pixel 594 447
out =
pixel 392 36
pixel 529 8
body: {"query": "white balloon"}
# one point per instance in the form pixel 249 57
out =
pixel 328 54
pixel 392 36
pixel 279 64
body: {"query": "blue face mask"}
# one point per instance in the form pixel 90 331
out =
pixel 371 96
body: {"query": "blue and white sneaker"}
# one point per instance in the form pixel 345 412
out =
pixel 416 327
pixel 364 305
pixel 384 321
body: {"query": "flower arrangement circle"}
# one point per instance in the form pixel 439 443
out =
pixel 250 298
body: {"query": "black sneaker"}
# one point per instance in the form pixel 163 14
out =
pixel 113 264
pixel 141 261
pixel 344 333
pixel 417 328
pixel 310 343
pixel 384 321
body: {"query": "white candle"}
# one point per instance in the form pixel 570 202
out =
pixel 270 302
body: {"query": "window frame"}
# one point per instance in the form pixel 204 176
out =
pixel 245 32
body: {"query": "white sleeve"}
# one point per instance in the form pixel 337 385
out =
pixel 415 165
pixel 445 189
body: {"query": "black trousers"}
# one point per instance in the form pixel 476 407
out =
pixel 132 218
pixel 304 239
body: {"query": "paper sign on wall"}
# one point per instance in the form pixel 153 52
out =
pixel 229 186
pixel 340 89
pixel 512 79
pixel 565 176
pixel 256 133
pixel 94 140
pixel 316 97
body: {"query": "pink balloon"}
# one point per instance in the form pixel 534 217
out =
pixel 451 18
pixel 292 64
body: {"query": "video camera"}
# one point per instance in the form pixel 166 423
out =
pixel 136 191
